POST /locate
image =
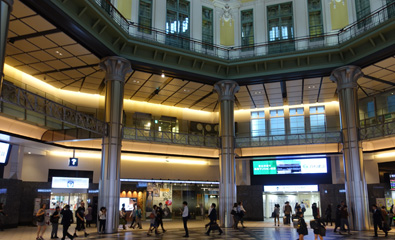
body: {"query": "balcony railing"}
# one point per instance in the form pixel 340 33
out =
pixel 28 106
pixel 170 137
pixel 378 131
pixel 291 139
pixel 260 49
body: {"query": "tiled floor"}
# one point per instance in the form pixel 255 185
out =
pixel 254 230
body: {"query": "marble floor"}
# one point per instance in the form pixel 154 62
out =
pixel 254 230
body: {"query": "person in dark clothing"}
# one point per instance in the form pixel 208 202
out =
pixel 185 217
pixel 302 227
pixel 328 214
pixel 2 216
pixel 79 215
pixel 160 217
pixel 377 219
pixel 213 220
pixel 384 215
pixel 319 228
pixel 344 220
pixel 338 217
pixel 315 210
pixel 55 222
pixel 67 219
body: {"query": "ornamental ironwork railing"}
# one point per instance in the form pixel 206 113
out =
pixel 25 104
pixel 290 139
pixel 345 34
pixel 147 135
pixel 377 131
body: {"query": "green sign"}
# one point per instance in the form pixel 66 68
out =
pixel 264 167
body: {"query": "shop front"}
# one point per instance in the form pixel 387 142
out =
pixel 171 193
pixel 294 194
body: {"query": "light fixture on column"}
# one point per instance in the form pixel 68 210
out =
pixel 163 75
pixel 336 1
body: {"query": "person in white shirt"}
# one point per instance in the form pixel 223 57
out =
pixel 185 217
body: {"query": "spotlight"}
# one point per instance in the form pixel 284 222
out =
pixel 163 75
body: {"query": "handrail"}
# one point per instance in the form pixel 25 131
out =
pixel 228 53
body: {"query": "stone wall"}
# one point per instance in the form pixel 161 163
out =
pixel 251 196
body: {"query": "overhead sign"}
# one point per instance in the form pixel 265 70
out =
pixel 70 182
pixel 290 166
pixel 291 188
pixel 73 162
pixel 4 150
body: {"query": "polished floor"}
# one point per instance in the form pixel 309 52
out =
pixel 254 230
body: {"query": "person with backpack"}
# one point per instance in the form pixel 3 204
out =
pixel 54 219
pixel 67 219
pixel 319 228
pixel 138 218
pixel 301 227
pixel 153 221
pixel 235 215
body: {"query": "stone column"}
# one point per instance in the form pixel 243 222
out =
pixel 227 163
pixel 5 10
pixel 109 185
pixel 356 190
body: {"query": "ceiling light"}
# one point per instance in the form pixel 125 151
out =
pixel 387 154
pixel 163 75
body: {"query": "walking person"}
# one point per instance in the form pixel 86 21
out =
pixel 138 218
pixel 302 226
pixel 384 215
pixel 2 217
pixel 133 215
pixel 67 219
pixel 287 213
pixel 185 217
pixel 41 225
pixel 153 221
pixel 122 217
pixel 160 217
pixel 391 215
pixel 319 228
pixel 102 219
pixel 235 215
pixel 344 220
pixel 241 211
pixel 315 210
pixel 54 219
pixel 79 215
pixel 213 220
pixel 377 219
pixel 89 216
pixel 276 214
pixel 328 214
pixel 338 217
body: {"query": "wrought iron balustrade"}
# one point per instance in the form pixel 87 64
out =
pixel 377 131
pixel 349 32
pixel 29 101
pixel 147 135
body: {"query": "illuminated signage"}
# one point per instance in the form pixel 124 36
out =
pixel 291 188
pixel 290 166
pixel 4 150
pixel 73 162
pixel 392 181
pixel 70 182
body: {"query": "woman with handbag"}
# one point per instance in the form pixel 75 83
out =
pixel 41 225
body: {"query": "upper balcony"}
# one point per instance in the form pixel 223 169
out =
pixel 108 32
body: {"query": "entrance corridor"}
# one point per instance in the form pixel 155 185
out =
pixel 253 230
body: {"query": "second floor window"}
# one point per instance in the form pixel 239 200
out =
pixel 280 27
pixel 277 122
pixel 317 119
pixel 258 127
pixel 247 29
pixel 296 120
pixel 316 27
pixel 391 103
pixel 207 28
pixel 145 16
pixel 177 23
pixel 363 10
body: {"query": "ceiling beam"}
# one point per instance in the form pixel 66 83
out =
pixel 367 95
pixel 319 89
pixel 66 69
pixel 267 96
pixel 379 80
pixel 301 99
pixel 201 99
pixel 283 85
pixel 141 86
pixel 252 99
pixel 157 90
pixel 32 35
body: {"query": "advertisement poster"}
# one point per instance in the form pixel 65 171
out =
pixel 380 202
pixel 290 166
pixel 389 203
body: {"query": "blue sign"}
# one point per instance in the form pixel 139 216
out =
pixel 73 162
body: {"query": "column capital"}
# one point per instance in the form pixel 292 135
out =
pixel 226 89
pixel 9 2
pixel 115 67
pixel 346 76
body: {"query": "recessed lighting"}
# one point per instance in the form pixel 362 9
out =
pixel 136 81
pixel 163 75
pixel 29 152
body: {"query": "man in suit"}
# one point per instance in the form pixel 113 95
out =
pixel 377 219
pixel 213 220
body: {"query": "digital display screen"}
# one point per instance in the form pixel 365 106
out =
pixel 70 182
pixel 4 149
pixel 392 181
pixel 290 166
